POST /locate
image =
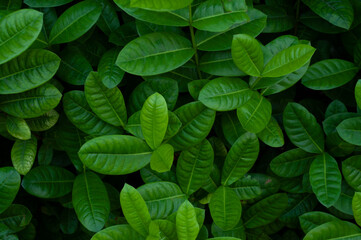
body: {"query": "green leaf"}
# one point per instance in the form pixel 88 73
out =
pixel 23 154
pixel 162 5
pixel 334 230
pixel 358 93
pixel 27 71
pixel 278 18
pixel 79 113
pixel 334 108
pixel 255 113
pixel 339 13
pixel 19 30
pixel 18 128
pixel 349 130
pixel 155 53
pixel 247 54
pixel 219 64
pixel 302 128
pixel 107 104
pixel 162 158
pixel 174 124
pixel 197 121
pixel 240 159
pixel 186 222
pixel 110 74
pixel 311 220
pixel 108 21
pixel 43 122
pixel 331 123
pixel 32 103
pixel 48 182
pixel 344 202
pixel 162 198
pixel 194 166
pixel 135 210
pixel 154 120
pixel 119 232
pixel 247 188
pixel 9 186
pixel 16 217
pixel 225 208
pixel 115 155
pixel 356 207
pixel 272 135
pixel 288 60
pixel 265 211
pixel 351 171
pixel 329 74
pixel 292 163
pixel 90 201
pixel 231 127
pixel 45 3
pixel 225 94
pixel 325 178
pixel 218 16
pixel 75 22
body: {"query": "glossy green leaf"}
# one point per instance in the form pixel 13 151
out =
pixel 241 158
pixel 292 163
pixel 108 21
pixel 90 201
pixel 32 103
pixel 247 54
pixel 325 178
pixel 265 211
pixel 9 186
pixel 331 123
pixel 18 128
pixel 119 232
pixel 48 182
pixel 255 113
pixel 162 5
pixel 247 188
pixel 351 170
pixel 225 208
pixel 75 22
pixel 335 107
pixel 79 113
pixel 344 202
pixel 155 53
pixel 23 154
pixel 110 74
pixel 302 128
pixel 43 122
pixel 46 3
pixel 218 16
pixel 29 70
pixel 154 120
pixel 115 154
pixel 186 222
pixel 162 158
pixel 18 31
pixel 334 230
pixel 16 217
pixel 288 60
pixel 329 74
pixel 278 18
pixel 349 130
pixel 194 167
pixel 197 121
pixel 356 207
pixel 272 134
pixel 107 104
pixel 231 127
pixel 219 63
pixel 311 220
pixel 135 210
pixel 339 13
pixel 162 198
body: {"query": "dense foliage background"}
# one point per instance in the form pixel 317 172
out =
pixel 180 119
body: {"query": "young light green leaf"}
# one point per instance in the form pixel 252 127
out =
pixel 194 167
pixel 154 120
pixel 351 170
pixel 329 74
pixel 225 208
pixel 162 158
pixel 90 200
pixel 325 178
pixel 155 53
pixel 302 128
pixel 119 232
pixel 161 5
pixel 23 154
pixel 225 94
pixel 135 210
pixel 186 222
pixel 48 182
pixel 9 186
pixel 18 128
pixel 75 22
pixel 349 130
pixel 288 60
pixel 107 104
pixel 356 207
pixel 241 158
pixel 115 154
pixel 19 30
pixel 247 54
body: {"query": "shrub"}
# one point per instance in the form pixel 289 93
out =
pixel 180 119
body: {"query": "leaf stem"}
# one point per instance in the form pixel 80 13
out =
pixel 196 57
